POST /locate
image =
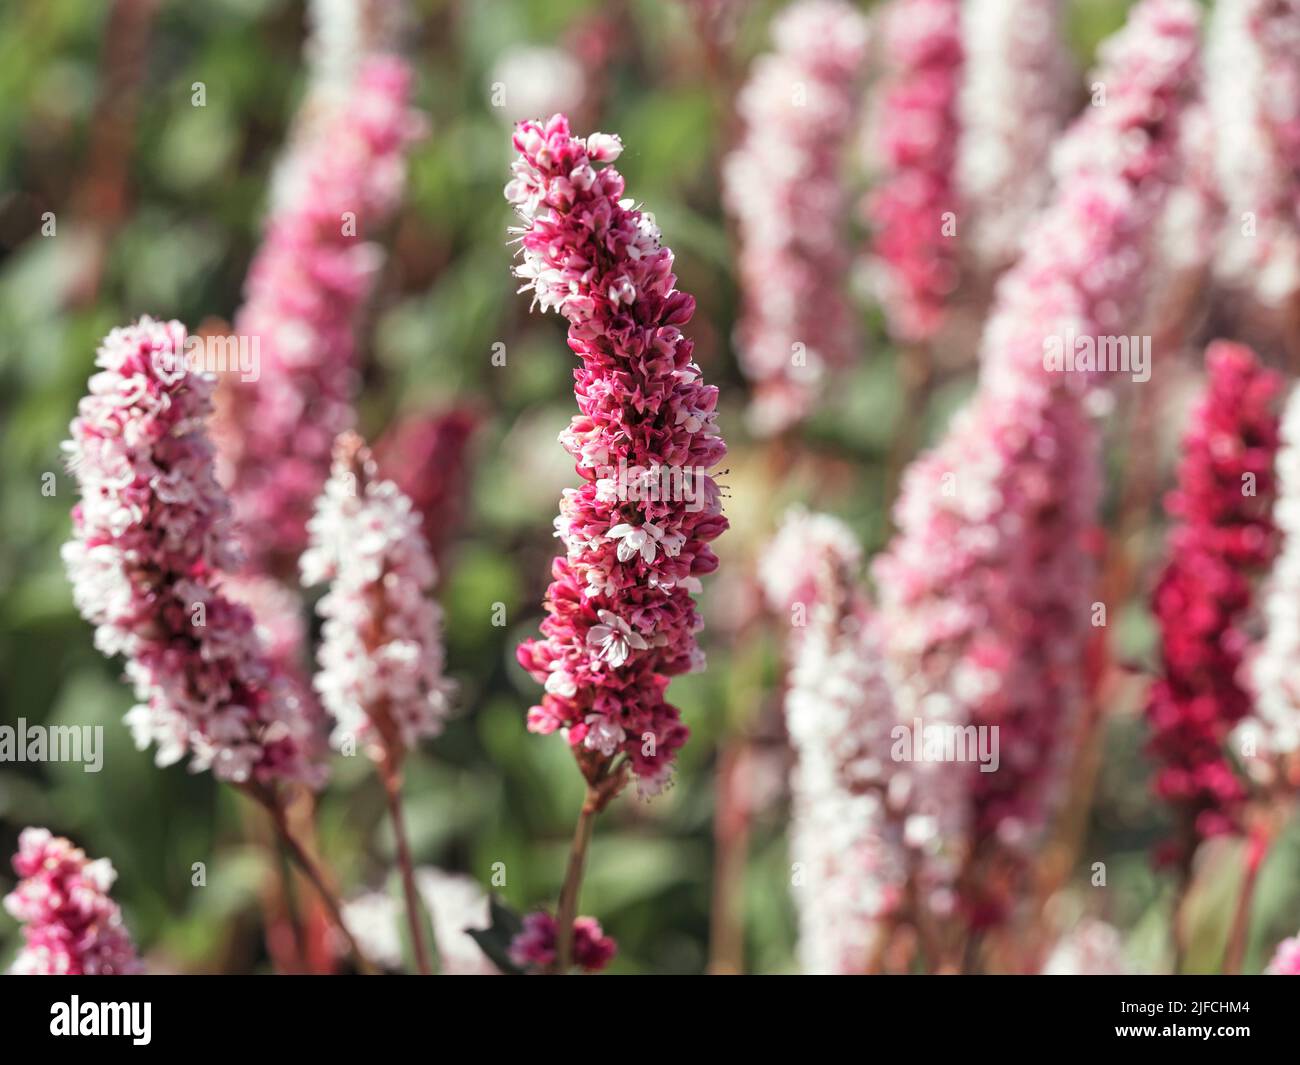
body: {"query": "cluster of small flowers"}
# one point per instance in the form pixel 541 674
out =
pixel 847 836
pixel 1016 93
pixel 1274 724
pixel 985 591
pixel 915 138
pixel 785 185
pixel 281 627
pixel 1254 95
pixel 534 947
pixel 381 658
pixel 621 619
pixel 1224 535
pixel 72 926
pixel 1114 169
pixel 151 541
pixel 312 274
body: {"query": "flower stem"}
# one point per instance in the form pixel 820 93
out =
pixel 567 909
pixel 1178 925
pixel 312 871
pixel 414 914
pixel 731 848
pixel 1256 851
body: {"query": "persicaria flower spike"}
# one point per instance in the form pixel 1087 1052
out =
pixel 785 185
pixel 621 620
pixel 152 538
pixel 341 36
pixel 381 656
pixel 72 926
pixel 1275 670
pixel 912 208
pixel 986 591
pixel 1253 89
pixel 312 275
pixel 849 797
pixel 280 624
pixel 1015 96
pixel 1223 537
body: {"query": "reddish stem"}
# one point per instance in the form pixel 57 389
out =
pixel 392 780
pixel 1256 851
pixel 731 838
pixel 567 907
pixel 310 869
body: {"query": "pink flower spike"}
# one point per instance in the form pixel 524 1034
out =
pixel 151 541
pixel 1223 538
pixel 785 185
pixel 986 592
pixel 1253 91
pixel 381 656
pixel 72 927
pixel 914 145
pixel 312 275
pixel 850 798
pixel 1274 724
pixel 1017 87
pixel 621 620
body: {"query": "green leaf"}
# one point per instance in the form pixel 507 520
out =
pixel 495 940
